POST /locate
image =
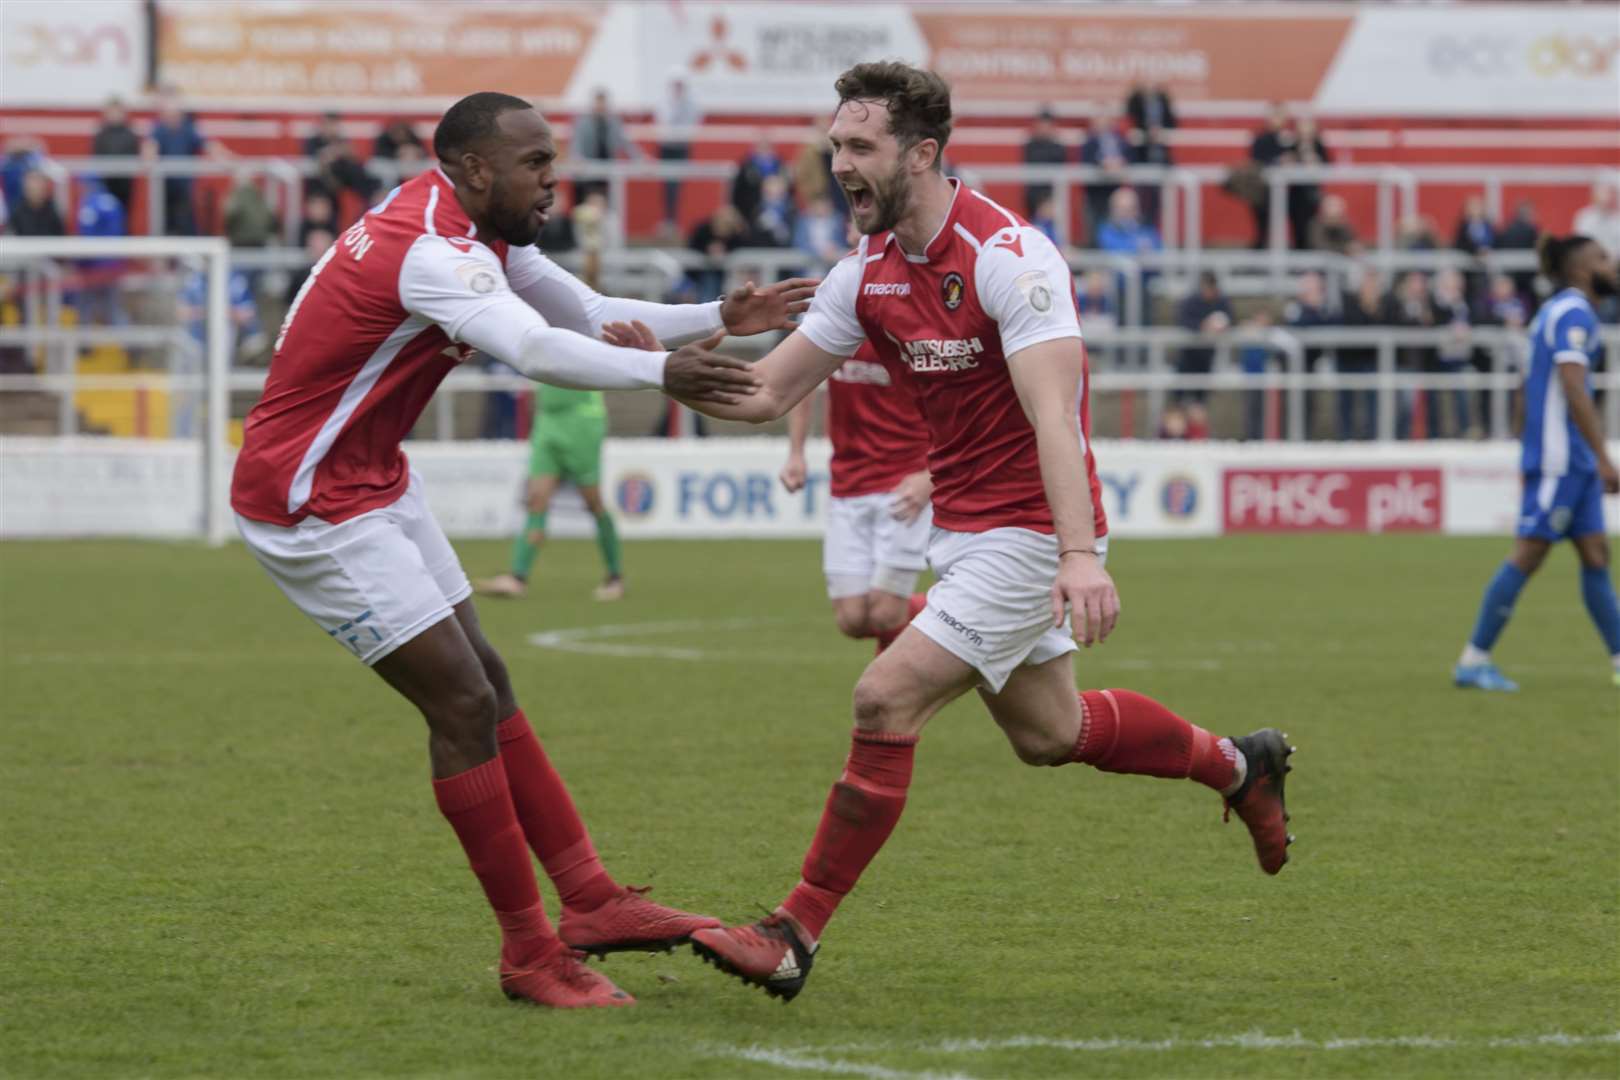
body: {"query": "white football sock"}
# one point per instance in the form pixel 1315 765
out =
pixel 1473 657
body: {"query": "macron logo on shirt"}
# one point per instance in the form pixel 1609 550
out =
pixel 888 288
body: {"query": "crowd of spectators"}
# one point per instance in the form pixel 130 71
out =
pixel 789 201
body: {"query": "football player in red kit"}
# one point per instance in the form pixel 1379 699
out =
pixel 328 504
pixel 977 309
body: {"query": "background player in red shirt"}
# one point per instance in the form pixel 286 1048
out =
pixel 327 503
pixel 978 308
pixel 878 513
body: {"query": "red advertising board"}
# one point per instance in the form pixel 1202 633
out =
pixel 1334 500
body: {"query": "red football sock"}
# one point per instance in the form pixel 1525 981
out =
pixel 885 638
pixel 550 822
pixel 1125 732
pixel 861 812
pixel 479 807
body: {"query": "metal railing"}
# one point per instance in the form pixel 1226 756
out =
pixel 1398 188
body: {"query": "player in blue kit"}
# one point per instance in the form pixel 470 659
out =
pixel 1566 466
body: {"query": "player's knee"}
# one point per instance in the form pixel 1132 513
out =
pixel 879 707
pixel 466 712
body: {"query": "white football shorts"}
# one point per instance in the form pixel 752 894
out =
pixel 372 582
pixel 992 605
pixel 868 548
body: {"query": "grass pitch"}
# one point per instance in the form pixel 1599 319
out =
pixel 219 854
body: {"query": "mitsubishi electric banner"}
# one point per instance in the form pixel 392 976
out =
pixel 1548 59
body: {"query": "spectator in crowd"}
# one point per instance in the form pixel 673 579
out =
pixel 100 214
pixel 35 214
pixel 320 215
pixel 115 138
pixel 1044 217
pixel 1304 197
pixel 1274 144
pixel 1475 233
pixel 1096 302
pixel 1042 148
pixel 1454 357
pixel 398 141
pixel 1409 305
pixel 1151 149
pixel 1331 230
pixel 316 239
pixel 1308 310
pixel 175 135
pixel 1149 108
pixel 1106 148
pixel 249 221
pixel 1521 232
pixel 1206 312
pixel 1600 219
pixel 773 221
pixel 1254 358
pixel 819 233
pixel 1099 311
pixel 599 136
pixel 812 172
pixel 1503 305
pixel 339 169
pixel 1417 232
pixel 248 339
pixel 716 236
pixel 1362 309
pixel 22 156
pixel 675 115
pixel 759 164
pixel 1125 232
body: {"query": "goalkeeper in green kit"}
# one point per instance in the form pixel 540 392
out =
pixel 566 444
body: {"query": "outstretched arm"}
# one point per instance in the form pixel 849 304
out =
pixel 564 300
pixel 784 377
pixel 464 292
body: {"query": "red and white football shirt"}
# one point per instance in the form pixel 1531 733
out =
pixel 876 427
pixel 987 285
pixel 375 329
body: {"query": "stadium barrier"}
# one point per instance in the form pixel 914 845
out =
pixel 1183 189
pixel 727 488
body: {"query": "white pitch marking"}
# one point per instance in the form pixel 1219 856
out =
pixel 587 639
pixel 1254 1040
pixel 802 1062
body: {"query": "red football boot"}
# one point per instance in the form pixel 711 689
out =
pixel 562 981
pixel 1259 802
pixel 770 954
pixel 629 923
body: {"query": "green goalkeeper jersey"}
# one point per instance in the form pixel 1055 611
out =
pixel 557 399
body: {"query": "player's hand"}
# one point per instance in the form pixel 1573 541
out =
pixel 793 473
pixel 911 496
pixel 1085 588
pixel 631 335
pixel 1610 476
pixel 697 373
pixel 752 310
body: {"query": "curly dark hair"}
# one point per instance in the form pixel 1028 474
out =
pixel 1554 252
pixel 919 101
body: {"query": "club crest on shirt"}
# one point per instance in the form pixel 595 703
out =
pixel 951 289
pixel 1577 337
